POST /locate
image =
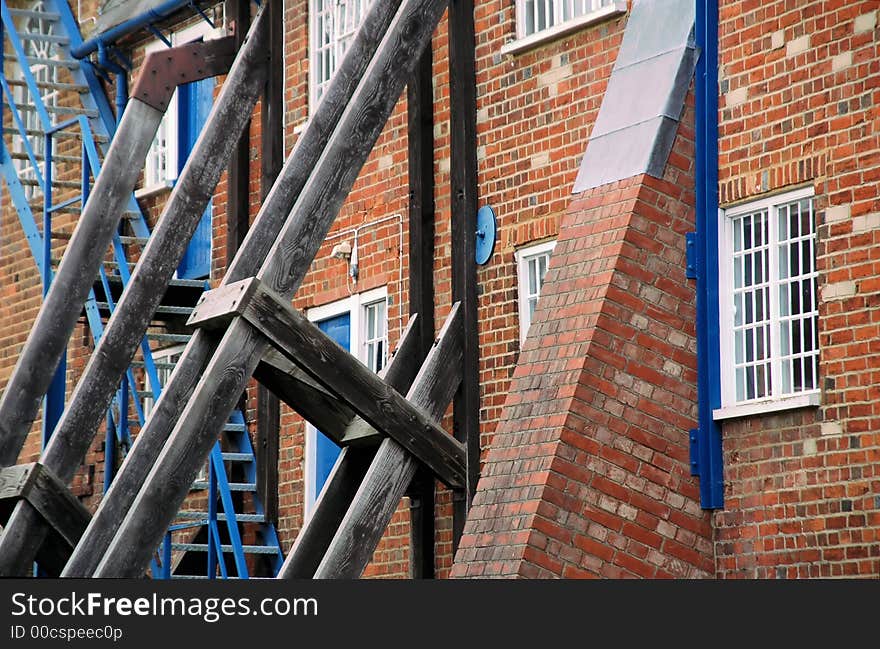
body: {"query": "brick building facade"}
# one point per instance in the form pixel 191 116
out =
pixel 584 421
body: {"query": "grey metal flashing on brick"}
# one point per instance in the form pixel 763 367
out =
pixel 655 27
pixel 638 119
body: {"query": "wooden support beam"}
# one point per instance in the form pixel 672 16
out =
pixel 47 340
pixel 393 468
pixel 238 202
pixel 340 373
pixel 271 159
pixel 307 397
pixel 238 353
pixel 260 238
pixel 314 538
pixel 64 515
pixel 463 176
pixel 420 139
pixel 125 330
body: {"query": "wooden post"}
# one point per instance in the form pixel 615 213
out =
pixel 463 152
pixel 292 252
pixel 271 158
pixel 420 131
pixel 393 467
pixel 125 330
pixel 64 516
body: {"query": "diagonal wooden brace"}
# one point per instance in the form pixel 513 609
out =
pixel 49 496
pixel 306 396
pixel 380 405
pixel 392 467
pixel 348 472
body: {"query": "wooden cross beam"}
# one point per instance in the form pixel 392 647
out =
pixel 305 395
pixel 21 539
pixel 391 470
pixel 65 516
pixel 316 354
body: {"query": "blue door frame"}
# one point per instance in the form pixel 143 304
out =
pixel 326 450
pixel 194 105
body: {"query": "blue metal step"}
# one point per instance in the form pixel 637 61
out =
pixel 203 547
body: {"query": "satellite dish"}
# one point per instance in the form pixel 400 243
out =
pixel 487 233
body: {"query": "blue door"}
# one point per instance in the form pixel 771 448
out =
pixel 194 105
pixel 326 450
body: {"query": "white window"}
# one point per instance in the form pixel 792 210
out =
pixel 531 266
pixel 375 335
pixel 160 166
pixel 332 27
pixel 767 305
pixel 368 342
pixel 539 20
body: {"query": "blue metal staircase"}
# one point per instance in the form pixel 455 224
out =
pixel 56 124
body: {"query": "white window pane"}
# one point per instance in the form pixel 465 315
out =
pixel 779 344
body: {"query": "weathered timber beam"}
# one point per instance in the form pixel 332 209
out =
pixel 63 514
pixel 238 15
pixel 60 311
pixel 271 160
pixel 314 538
pixel 393 467
pixel 303 394
pixel 238 353
pixel 463 195
pixel 163 70
pixel 339 372
pixel 125 330
pixel 420 159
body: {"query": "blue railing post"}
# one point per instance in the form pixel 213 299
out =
pixel 53 402
pixel 215 550
pixel 166 556
pixel 109 452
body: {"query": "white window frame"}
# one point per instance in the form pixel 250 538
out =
pixel 339 41
pixel 522 257
pixel 730 407
pixel 599 10
pixel 169 123
pixel 355 306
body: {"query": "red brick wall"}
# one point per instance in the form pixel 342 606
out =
pixel 799 105
pixel 588 473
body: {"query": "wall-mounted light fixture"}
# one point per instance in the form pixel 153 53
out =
pixel 349 251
